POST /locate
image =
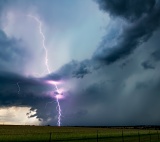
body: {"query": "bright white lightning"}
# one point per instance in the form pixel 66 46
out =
pixel 47 66
pixel 43 41
pixel 59 112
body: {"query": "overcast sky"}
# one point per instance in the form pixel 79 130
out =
pixel 103 54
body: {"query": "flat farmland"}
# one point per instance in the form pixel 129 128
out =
pixel 78 134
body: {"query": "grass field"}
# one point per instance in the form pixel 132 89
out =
pixel 77 134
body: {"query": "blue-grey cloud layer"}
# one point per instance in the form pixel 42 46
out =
pixel 119 85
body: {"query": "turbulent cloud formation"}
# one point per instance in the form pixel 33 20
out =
pixel 156 55
pixel 32 93
pixel 12 53
pixel 75 69
pixel 117 85
pixel 147 65
pixel 128 9
pixel 136 33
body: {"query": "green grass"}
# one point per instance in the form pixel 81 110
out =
pixel 77 134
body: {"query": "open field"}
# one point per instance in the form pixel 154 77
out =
pixel 77 134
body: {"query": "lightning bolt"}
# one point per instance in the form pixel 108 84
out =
pixel 47 66
pixel 59 111
pixel 43 41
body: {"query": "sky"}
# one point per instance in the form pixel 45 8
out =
pixel 103 56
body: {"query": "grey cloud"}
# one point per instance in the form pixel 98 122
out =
pixel 147 65
pixel 146 20
pixel 32 94
pixel 131 10
pixel 72 69
pixel 132 36
pixel 130 98
pixel 124 100
pixel 156 55
pixel 12 54
pixel 53 76
pixel 82 69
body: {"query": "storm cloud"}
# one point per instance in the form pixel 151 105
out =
pixel 12 53
pixel 147 15
pixel 128 9
pixel 117 85
pixel 20 91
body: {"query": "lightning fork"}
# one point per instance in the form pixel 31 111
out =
pixel 46 63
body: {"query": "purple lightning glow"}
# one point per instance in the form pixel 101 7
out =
pixel 59 94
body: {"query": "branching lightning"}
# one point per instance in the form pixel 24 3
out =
pixel 47 66
pixel 43 41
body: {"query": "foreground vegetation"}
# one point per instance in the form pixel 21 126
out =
pixel 85 134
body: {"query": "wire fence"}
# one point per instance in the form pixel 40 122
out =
pixel 80 137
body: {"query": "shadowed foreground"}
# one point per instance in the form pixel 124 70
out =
pixel 77 134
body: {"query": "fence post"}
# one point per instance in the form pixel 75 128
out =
pixel 97 135
pixel 139 136
pixel 50 137
pixel 122 136
pixel 150 136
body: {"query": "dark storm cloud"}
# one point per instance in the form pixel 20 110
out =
pixel 156 55
pixel 115 95
pixel 8 84
pixel 131 99
pixel 147 65
pixel 82 70
pixel 104 102
pixel 32 93
pixel 143 19
pixel 123 93
pixel 72 69
pixel 128 9
pixel 12 53
pixel 9 77
pixel 147 15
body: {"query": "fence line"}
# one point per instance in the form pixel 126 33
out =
pixel 97 136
